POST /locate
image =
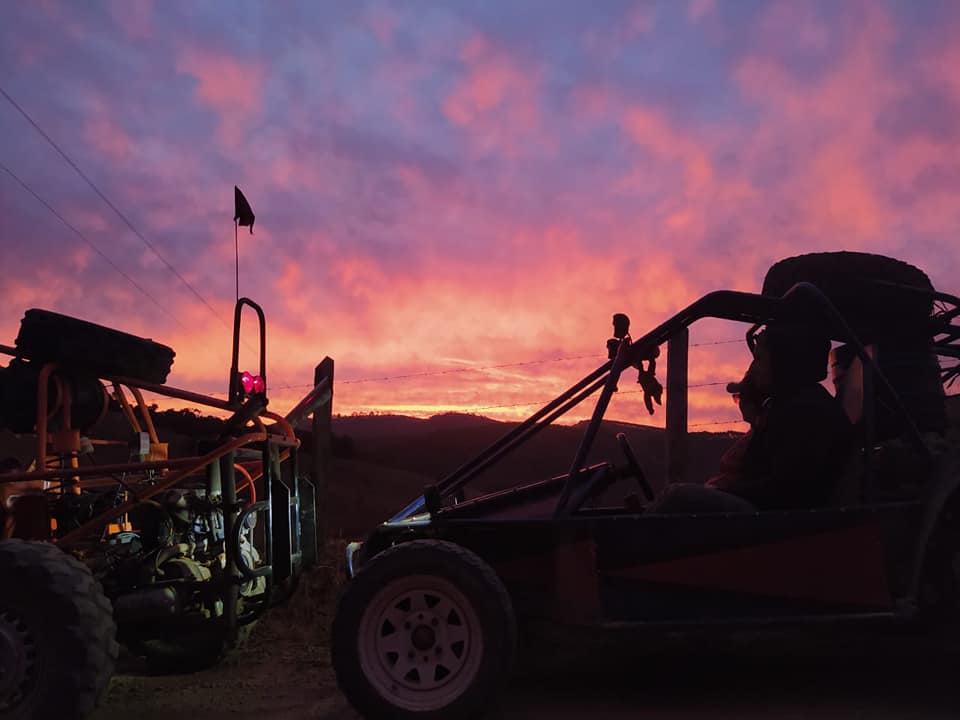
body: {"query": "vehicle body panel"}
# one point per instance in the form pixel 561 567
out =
pixel 716 567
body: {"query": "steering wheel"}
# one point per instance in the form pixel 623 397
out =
pixel 634 467
pixel 590 484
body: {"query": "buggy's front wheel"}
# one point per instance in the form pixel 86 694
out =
pixel 57 634
pixel 425 630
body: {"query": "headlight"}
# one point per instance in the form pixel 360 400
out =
pixel 352 550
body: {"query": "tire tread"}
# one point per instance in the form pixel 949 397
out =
pixel 357 591
pixel 64 586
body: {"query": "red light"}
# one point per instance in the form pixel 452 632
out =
pixel 259 386
pixel 247 382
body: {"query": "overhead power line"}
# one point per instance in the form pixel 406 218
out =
pixel 619 392
pixel 718 422
pixel 36 126
pixel 718 342
pixel 89 242
pixel 110 204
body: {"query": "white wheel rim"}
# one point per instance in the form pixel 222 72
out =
pixel 420 643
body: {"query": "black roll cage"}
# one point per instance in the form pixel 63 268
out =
pixel 803 302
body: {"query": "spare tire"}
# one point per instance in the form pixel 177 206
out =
pixel 80 345
pixel 888 304
pixel 853 282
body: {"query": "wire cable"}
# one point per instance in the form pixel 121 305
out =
pixel 109 203
pixel 619 392
pixel 89 242
pixel 36 126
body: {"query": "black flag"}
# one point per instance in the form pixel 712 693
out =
pixel 241 209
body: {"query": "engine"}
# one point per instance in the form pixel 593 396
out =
pixel 160 564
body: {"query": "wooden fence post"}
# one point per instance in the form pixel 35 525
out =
pixel 677 441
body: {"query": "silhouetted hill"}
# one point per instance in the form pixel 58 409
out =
pixel 362 494
pixel 361 427
pixel 435 447
pixel 392 458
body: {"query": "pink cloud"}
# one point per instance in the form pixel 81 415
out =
pixel 610 43
pixel 640 20
pixel 134 16
pixel 699 9
pixel 497 99
pixel 382 21
pixel 838 191
pixel 649 129
pixel 691 202
pixel 102 130
pixel 232 88
pixel 794 25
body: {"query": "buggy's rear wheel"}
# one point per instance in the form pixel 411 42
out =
pixel 425 630
pixel 57 634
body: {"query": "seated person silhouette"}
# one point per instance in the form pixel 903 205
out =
pixel 750 400
pixel 798 441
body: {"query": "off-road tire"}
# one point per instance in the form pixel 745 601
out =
pixel 895 319
pixel 50 337
pixel 58 619
pixel 477 582
pixel 848 278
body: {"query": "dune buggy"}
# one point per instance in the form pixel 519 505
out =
pixel 427 624
pixel 175 556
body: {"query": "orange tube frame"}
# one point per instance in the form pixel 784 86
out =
pixel 169 481
pixel 248 482
pixel 180 467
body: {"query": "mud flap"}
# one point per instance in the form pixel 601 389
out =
pixel 286 529
pixel 309 542
pixel 294 531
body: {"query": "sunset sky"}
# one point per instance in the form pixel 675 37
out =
pixel 442 187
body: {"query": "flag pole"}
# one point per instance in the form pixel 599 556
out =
pixel 242 215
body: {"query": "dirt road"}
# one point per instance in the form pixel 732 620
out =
pixel 284 674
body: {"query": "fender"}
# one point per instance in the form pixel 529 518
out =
pixel 384 536
pixel 944 486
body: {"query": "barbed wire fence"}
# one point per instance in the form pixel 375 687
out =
pixel 716 422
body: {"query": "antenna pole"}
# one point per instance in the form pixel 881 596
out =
pixel 236 254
